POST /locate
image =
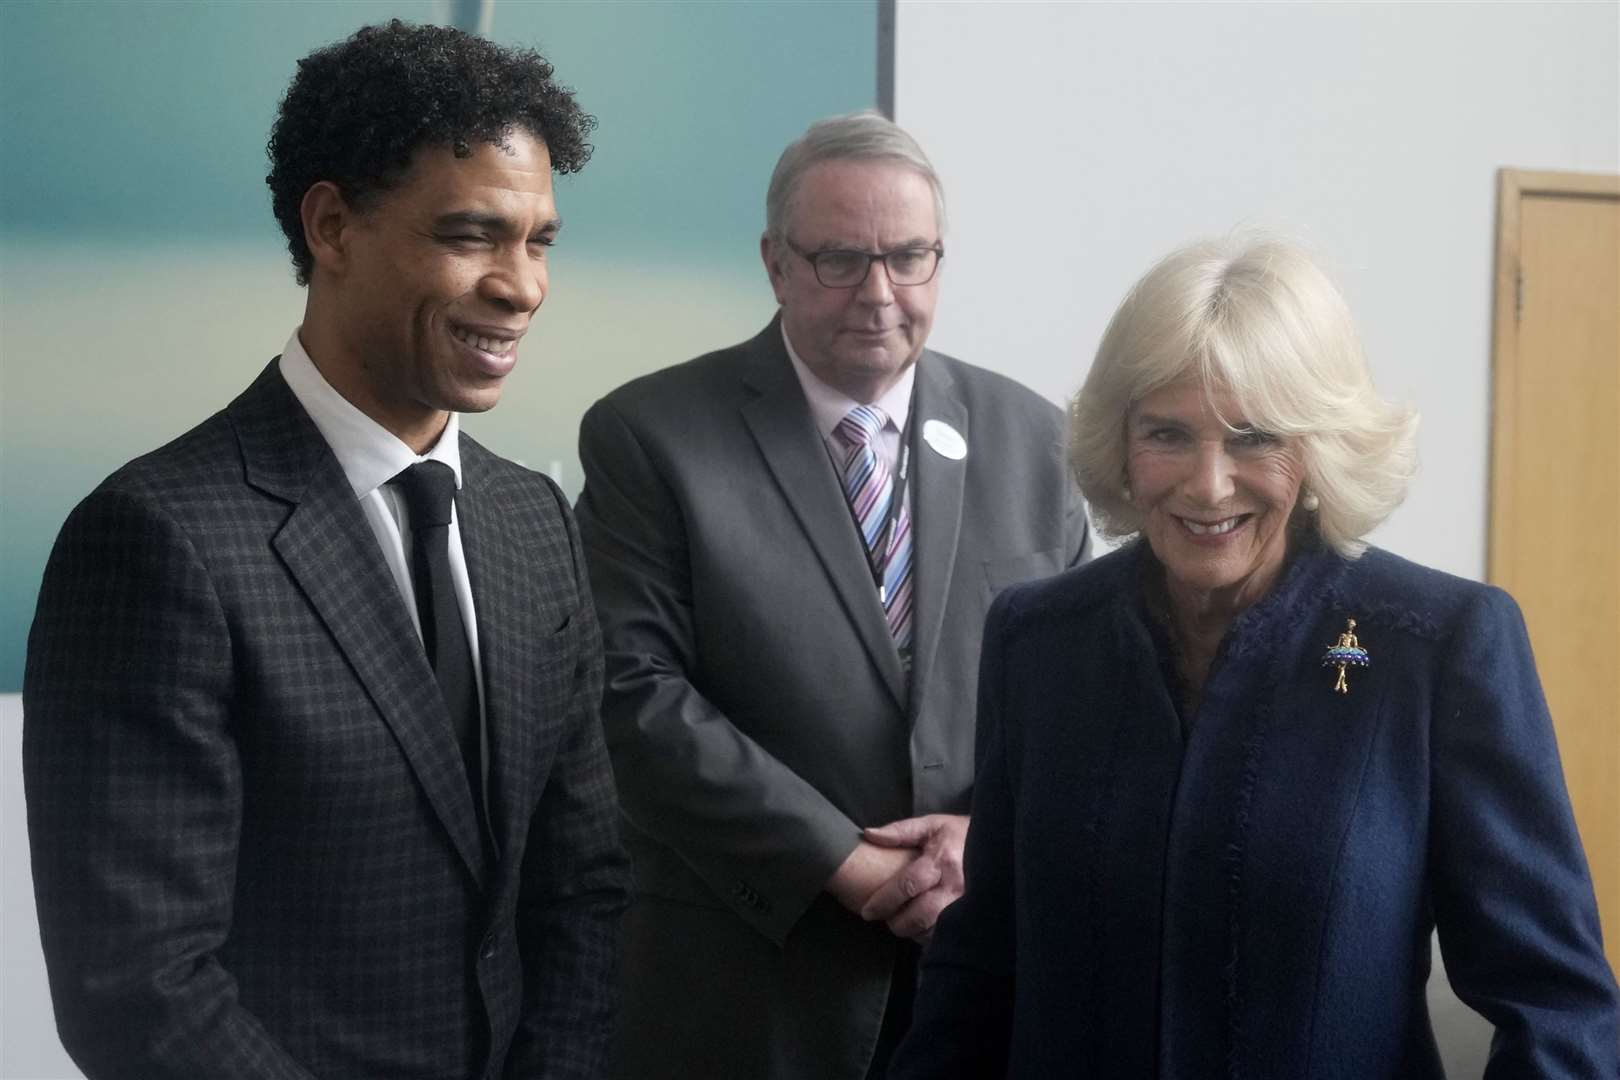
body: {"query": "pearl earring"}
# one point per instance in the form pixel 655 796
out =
pixel 1125 490
pixel 1311 502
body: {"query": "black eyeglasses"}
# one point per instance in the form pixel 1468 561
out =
pixel 849 269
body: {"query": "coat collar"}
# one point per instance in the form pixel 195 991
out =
pixel 329 550
pixel 936 508
pixel 517 613
pixel 1309 580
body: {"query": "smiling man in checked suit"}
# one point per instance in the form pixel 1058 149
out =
pixel 316 780
pixel 793 544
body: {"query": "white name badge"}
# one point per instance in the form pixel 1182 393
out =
pixel 945 440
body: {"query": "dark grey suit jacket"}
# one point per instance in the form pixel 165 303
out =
pixel 756 709
pixel 254 848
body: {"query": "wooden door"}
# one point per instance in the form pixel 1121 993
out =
pixel 1555 478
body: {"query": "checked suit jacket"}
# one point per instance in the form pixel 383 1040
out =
pixel 255 852
pixel 757 711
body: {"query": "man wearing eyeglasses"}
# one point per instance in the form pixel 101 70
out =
pixel 793 543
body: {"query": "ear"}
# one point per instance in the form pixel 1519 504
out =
pixel 771 254
pixel 326 216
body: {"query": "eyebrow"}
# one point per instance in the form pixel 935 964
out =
pixel 1155 420
pixel 904 245
pixel 494 223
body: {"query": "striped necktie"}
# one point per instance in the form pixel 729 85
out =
pixel 869 488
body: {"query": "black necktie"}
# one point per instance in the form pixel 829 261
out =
pixel 430 489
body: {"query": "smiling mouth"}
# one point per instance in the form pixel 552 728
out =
pixel 496 345
pixel 1213 528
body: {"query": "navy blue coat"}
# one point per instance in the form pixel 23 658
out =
pixel 1255 899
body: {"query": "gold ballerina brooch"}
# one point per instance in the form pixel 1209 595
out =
pixel 1344 654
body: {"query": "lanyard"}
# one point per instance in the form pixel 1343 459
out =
pixel 891 519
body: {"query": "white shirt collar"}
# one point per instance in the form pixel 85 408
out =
pixel 369 453
pixel 829 405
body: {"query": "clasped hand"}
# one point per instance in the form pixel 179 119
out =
pixel 904 873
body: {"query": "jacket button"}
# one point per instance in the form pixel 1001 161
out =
pixel 487 952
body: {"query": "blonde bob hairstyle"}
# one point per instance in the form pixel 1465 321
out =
pixel 1256 318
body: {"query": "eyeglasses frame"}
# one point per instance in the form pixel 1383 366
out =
pixel 813 258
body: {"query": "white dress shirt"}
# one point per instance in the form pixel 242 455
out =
pixel 828 406
pixel 370 456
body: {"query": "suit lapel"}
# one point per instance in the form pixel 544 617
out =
pixel 782 427
pixel 330 551
pixel 936 510
pixel 507 636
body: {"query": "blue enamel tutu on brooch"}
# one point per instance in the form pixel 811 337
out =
pixel 1344 654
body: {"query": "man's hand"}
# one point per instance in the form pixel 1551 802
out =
pixel 911 900
pixel 866 870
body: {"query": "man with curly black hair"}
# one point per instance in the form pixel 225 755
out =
pixel 316 781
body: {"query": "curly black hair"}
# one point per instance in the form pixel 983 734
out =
pixel 357 110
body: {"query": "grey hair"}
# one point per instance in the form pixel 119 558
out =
pixel 1257 318
pixel 858 136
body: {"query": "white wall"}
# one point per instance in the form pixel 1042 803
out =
pixel 1079 142
pixel 29 1049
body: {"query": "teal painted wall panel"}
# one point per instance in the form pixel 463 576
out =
pixel 143 282
pixel 695 100
pixel 149 119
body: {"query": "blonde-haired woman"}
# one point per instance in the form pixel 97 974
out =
pixel 1233 774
